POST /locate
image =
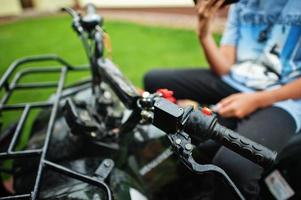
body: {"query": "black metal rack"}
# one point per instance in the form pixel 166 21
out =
pixel 8 87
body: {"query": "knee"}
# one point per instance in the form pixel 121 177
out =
pixel 148 79
pixel 151 80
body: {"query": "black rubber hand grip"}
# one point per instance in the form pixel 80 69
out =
pixel 245 147
pixel 206 127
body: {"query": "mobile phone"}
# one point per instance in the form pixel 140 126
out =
pixel 227 2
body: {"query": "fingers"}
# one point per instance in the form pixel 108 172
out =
pixel 216 6
pixel 230 106
pixel 228 111
pixel 238 105
pixel 232 110
pixel 204 5
pixel 208 6
pixel 187 102
pixel 224 102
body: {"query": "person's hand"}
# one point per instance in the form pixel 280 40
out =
pixel 240 105
pixel 187 102
pixel 206 10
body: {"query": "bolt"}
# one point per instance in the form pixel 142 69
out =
pixel 85 116
pixel 145 94
pixel 188 147
pixel 93 134
pixel 146 115
pixel 107 95
pixel 107 163
pixel 178 141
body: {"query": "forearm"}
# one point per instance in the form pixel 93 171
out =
pixel 218 61
pixel 289 91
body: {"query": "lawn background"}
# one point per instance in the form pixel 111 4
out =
pixel 136 48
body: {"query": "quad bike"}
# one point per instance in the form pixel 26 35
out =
pixel 100 139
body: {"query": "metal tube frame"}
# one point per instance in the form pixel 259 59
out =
pixel 10 83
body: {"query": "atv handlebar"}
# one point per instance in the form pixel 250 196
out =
pixel 202 125
pixel 71 12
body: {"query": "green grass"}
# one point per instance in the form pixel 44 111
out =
pixel 136 50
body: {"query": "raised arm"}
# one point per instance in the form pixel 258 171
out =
pixel 220 59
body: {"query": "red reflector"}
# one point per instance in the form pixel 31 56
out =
pixel 206 111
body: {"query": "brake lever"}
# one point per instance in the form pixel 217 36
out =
pixel 76 20
pixel 183 148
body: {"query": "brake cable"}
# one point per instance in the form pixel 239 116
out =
pixel 108 44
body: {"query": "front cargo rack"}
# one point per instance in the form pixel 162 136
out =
pixel 9 83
